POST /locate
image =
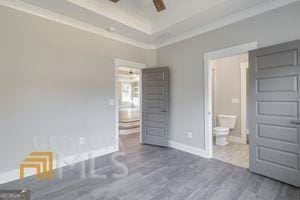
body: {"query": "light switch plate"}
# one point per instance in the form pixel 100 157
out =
pixel 235 100
pixel 111 102
pixel 81 140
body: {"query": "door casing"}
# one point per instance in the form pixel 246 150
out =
pixel 131 64
pixel 208 57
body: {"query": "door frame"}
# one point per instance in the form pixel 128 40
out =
pixel 126 63
pixel 244 103
pixel 208 66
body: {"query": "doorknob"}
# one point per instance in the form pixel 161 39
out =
pixel 164 111
pixel 295 122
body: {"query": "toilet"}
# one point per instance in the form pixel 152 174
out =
pixel 226 122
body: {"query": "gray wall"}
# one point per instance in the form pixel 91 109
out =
pixel 185 59
pixel 55 82
pixel 227 85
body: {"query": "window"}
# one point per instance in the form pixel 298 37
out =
pixel 126 91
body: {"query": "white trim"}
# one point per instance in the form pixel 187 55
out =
pixel 189 149
pixel 242 15
pixel 9 176
pixel 130 131
pixel 244 119
pixel 14 174
pixel 34 10
pixel 126 63
pixel 208 57
pixel 108 10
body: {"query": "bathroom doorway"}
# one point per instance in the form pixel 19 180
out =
pixel 229 109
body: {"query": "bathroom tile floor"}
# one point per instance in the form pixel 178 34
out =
pixel 233 153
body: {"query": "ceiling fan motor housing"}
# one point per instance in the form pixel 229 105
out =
pixel 159 4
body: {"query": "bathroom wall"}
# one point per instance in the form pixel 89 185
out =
pixel 227 88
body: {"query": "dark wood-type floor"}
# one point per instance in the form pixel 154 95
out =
pixel 158 174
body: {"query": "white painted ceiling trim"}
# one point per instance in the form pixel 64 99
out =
pixel 242 15
pixel 34 10
pixel 141 24
pixel 161 25
pixel 126 63
pixel 137 22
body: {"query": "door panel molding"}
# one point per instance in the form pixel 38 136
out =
pixel 155 106
pixel 274 107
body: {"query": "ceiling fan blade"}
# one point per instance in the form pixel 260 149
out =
pixel 115 1
pixel 160 5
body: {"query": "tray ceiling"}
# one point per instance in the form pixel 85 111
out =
pixel 138 21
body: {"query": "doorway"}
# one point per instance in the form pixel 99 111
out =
pixel 128 102
pixel 208 87
pixel 229 109
pixel 147 104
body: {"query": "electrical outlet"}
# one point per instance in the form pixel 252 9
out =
pixel 81 140
pixel 190 135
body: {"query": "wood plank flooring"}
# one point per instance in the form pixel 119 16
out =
pixel 233 153
pixel 156 173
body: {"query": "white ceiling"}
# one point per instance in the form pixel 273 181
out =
pixel 137 22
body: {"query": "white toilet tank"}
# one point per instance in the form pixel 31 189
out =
pixel 228 121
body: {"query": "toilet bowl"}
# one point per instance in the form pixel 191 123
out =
pixel 226 123
pixel 221 134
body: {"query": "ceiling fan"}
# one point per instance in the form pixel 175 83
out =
pixel 159 4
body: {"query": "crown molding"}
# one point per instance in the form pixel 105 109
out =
pixel 242 15
pixel 34 10
pixel 136 22
pixel 125 63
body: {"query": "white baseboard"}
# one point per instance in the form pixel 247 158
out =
pixel 241 140
pixel 9 176
pixel 130 131
pixel 70 160
pixel 189 149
